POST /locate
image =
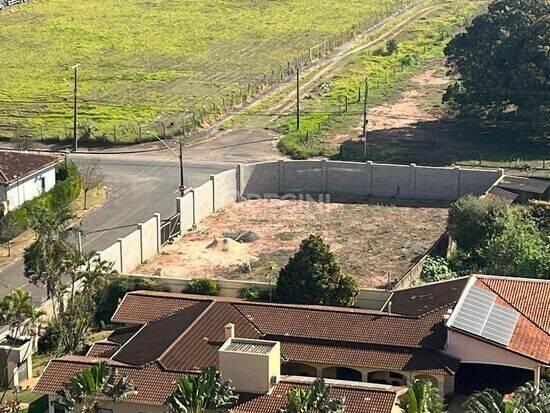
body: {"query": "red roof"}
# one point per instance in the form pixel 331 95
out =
pixel 18 165
pixel 357 399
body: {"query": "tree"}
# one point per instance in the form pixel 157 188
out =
pixel 519 249
pixel 72 279
pixel 18 312
pixel 525 399
pixel 313 276
pixel 8 230
pixel 313 399
pixel 92 177
pixel 93 388
pixel 202 393
pixel 501 63
pixel 422 397
pixel 472 221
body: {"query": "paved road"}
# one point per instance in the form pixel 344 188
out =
pixel 138 186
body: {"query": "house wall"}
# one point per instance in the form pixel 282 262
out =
pixel 28 188
pixel 470 350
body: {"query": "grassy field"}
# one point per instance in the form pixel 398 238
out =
pixel 324 110
pixel 146 61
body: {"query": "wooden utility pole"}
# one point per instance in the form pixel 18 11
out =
pixel 182 182
pixel 297 97
pixel 75 107
pixel 365 119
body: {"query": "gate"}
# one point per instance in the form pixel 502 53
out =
pixel 170 228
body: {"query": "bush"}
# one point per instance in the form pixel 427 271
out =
pixel 313 276
pixel 254 294
pixel 519 249
pixel 472 221
pixel 436 269
pixel 391 46
pixel 202 286
pixel 65 191
pixel 108 301
pixel 540 211
pixel 49 340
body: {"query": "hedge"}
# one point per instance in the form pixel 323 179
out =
pixel 65 191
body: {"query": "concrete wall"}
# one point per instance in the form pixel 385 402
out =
pixel 225 188
pixel 364 179
pixel 28 188
pixel 203 201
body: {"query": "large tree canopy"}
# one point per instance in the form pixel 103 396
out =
pixel 502 64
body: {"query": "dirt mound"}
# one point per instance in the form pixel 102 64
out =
pixel 225 245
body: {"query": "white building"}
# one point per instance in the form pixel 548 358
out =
pixel 24 176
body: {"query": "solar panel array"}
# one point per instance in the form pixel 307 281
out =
pixel 479 314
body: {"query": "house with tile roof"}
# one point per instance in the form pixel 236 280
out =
pixel 24 176
pixel 427 332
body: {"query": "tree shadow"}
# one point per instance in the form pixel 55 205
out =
pixel 446 141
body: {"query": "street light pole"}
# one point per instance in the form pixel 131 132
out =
pixel 75 107
pixel 297 97
pixel 182 183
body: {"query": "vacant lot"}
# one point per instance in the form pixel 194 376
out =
pixel 371 241
pixel 146 60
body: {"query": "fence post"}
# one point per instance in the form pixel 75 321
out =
pixel 213 180
pixel 141 255
pixel 412 180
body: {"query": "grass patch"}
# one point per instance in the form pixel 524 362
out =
pixel 144 62
pixel 325 109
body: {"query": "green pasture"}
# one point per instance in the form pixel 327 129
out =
pixel 145 63
pixel 325 111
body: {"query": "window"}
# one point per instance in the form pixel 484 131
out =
pixel 43 184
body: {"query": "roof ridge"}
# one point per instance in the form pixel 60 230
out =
pixel 248 320
pixel 4 176
pixel 189 327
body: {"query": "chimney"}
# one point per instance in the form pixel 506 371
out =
pixel 229 331
pixel 253 366
pixel 389 307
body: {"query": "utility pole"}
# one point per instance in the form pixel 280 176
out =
pixel 75 107
pixel 297 97
pixel 182 183
pixel 365 119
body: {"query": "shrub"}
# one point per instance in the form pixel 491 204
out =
pixel 436 269
pixel 392 46
pixel 313 276
pixel 49 340
pixel 65 191
pixel 519 249
pixel 108 301
pixel 202 286
pixel 254 294
pixel 540 211
pixel 472 221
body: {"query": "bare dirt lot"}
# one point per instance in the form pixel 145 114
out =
pixel 371 241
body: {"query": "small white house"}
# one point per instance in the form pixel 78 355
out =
pixel 24 176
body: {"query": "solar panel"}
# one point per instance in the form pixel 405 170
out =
pixel 480 315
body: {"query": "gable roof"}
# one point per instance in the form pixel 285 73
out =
pixel 524 330
pixel 15 165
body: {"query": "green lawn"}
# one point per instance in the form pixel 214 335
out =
pixel 145 61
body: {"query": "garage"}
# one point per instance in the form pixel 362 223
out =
pixel 475 377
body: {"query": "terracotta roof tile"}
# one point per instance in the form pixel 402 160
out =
pixel 198 348
pixel 420 300
pixel 22 164
pixel 427 331
pixel 141 307
pixel 377 357
pixel 153 385
pixel 357 400
pixel 531 298
pixel 102 349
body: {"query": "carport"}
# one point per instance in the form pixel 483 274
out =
pixel 472 377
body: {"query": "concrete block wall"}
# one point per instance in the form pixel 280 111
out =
pixel 130 251
pixel 203 201
pixel 149 239
pixel 112 254
pixel 225 188
pixel 364 179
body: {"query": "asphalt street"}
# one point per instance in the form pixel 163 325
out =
pixel 138 186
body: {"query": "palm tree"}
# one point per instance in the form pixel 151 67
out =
pixel 313 399
pixel 18 312
pixel 202 393
pixel 487 401
pixel 93 388
pixel 422 397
